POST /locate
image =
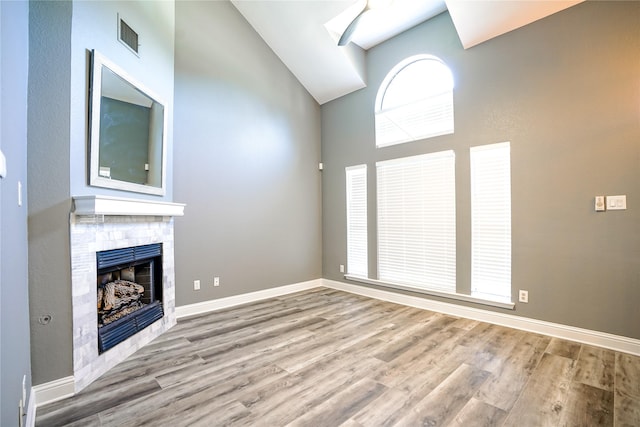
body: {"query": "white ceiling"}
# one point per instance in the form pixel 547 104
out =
pixel 304 33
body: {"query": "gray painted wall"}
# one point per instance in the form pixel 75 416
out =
pixel 49 202
pixel 61 37
pixel 259 214
pixel 95 27
pixel 565 92
pixel 247 147
pixel 14 293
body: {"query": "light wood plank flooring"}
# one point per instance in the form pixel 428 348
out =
pixel 328 358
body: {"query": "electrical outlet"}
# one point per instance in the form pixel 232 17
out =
pixel 216 281
pixel 523 296
pixel 341 268
pixel 196 285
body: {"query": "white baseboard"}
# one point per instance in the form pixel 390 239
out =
pixel 31 410
pixel 585 336
pixel 218 304
pixel 50 392
pixel 64 387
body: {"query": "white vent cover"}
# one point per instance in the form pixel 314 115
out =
pixel 128 36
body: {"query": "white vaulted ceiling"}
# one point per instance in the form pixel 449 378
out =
pixel 304 33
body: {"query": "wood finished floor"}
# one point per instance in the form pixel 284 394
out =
pixel 328 358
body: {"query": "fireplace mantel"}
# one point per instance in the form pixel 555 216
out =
pixel 105 205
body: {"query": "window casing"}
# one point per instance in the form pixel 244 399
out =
pixel 357 254
pixel 415 101
pixel 416 210
pixel 491 221
pixel 417 221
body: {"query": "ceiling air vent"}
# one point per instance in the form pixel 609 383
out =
pixel 127 36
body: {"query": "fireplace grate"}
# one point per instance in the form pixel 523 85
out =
pixel 116 257
pixel 114 333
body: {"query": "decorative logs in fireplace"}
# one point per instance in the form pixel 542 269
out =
pixel 129 292
pixel 117 299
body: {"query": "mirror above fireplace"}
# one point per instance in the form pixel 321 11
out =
pixel 128 131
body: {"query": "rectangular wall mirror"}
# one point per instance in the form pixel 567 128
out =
pixel 128 131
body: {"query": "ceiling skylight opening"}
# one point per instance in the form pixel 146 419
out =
pixel 382 19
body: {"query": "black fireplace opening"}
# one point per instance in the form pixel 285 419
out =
pixel 129 292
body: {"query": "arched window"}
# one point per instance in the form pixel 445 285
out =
pixel 415 101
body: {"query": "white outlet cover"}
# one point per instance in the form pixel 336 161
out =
pixel 523 296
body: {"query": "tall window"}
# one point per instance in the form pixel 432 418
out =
pixel 357 260
pixel 491 222
pixel 417 221
pixel 415 101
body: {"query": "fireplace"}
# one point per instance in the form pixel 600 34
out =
pixel 129 292
pixel 101 224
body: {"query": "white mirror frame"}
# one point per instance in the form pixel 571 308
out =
pixel 96 179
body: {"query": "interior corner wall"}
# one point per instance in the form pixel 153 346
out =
pixel 247 148
pixel 15 344
pixel 565 91
pixel 48 154
pixel 62 34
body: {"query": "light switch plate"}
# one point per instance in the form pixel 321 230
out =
pixel 616 202
pixel 3 165
pixel 599 204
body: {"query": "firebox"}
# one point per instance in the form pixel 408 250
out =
pixel 129 292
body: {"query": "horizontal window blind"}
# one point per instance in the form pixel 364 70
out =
pixel 357 259
pixel 491 221
pixel 421 119
pixel 417 221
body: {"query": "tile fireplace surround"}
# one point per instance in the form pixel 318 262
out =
pixel 99 223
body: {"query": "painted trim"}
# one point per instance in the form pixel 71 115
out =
pixel 105 205
pixel 52 391
pixel 31 410
pixel 218 304
pixel 450 295
pixel 585 336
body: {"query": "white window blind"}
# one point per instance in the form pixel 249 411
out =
pixel 417 221
pixel 357 260
pixel 415 101
pixel 491 221
pixel 417 120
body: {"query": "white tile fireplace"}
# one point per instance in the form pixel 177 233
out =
pixel 100 223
